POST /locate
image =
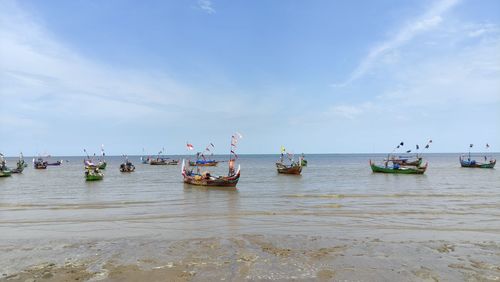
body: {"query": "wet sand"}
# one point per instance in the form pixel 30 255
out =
pixel 254 258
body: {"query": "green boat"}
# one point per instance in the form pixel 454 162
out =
pixel 102 165
pixel 475 164
pixel 4 170
pixel 92 173
pixel 398 169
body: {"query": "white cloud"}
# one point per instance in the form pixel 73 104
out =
pixel 207 6
pixel 430 19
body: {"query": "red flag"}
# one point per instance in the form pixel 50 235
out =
pixel 190 146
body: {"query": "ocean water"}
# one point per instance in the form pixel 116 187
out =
pixel 336 197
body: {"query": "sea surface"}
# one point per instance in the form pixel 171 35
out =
pixel 443 225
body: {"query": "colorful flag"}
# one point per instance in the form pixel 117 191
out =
pixel 427 146
pixel 402 143
pixel 235 156
pixel 283 149
pixel 211 144
pixel 190 147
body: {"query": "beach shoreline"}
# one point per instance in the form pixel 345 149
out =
pixel 252 257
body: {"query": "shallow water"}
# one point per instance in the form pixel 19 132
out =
pixel 337 196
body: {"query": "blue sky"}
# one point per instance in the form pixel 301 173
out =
pixel 315 76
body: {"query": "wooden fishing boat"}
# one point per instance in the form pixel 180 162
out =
pixel 39 163
pixel 294 168
pixel 204 163
pixel 127 167
pixel 396 168
pixel 4 170
pixel 54 164
pixel 19 166
pixel 205 179
pixel 163 161
pixel 92 173
pixel 475 164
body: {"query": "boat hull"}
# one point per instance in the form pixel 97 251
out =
pixel 292 169
pixel 400 170
pixel 5 173
pixel 93 177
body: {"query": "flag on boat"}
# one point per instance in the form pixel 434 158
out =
pixel 212 144
pixel 235 156
pixel 487 145
pixel 190 147
pixel 409 151
pixel 283 149
pixel 470 146
pixel 417 147
pixel 234 140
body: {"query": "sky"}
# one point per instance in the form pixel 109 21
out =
pixel 314 76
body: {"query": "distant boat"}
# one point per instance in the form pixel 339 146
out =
pixel 127 166
pixel 4 170
pixel 201 159
pixel 397 168
pixel 292 168
pixel 20 165
pixel 475 164
pixel 203 163
pixel 471 163
pixel 54 164
pixel 92 173
pixel 163 161
pixel 39 163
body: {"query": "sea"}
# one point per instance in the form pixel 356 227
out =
pixel 337 221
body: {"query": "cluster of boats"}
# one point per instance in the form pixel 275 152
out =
pixel 413 165
pixel 192 174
